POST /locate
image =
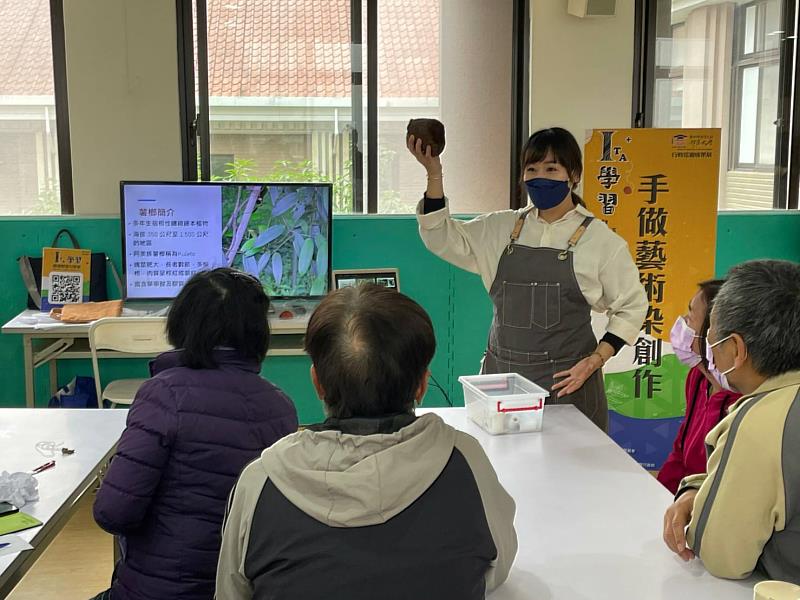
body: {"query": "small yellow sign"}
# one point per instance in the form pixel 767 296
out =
pixel 65 276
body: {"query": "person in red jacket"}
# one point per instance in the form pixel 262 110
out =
pixel 707 401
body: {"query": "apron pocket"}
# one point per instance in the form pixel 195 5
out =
pixel 518 357
pixel 517 305
pixel 534 366
pixel 546 304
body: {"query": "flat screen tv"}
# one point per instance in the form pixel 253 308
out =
pixel 279 232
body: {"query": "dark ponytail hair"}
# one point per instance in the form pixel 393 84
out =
pixel 565 150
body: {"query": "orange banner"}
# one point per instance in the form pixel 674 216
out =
pixel 657 188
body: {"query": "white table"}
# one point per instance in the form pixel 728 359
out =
pixel 588 518
pixel 93 434
pixel 46 343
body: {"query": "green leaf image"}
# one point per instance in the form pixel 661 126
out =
pixel 319 285
pixel 269 235
pixel 263 260
pixel 322 257
pixel 277 268
pixel 306 254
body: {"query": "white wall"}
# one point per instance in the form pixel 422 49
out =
pixel 581 69
pixel 122 78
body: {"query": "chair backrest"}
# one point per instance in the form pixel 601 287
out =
pixel 131 335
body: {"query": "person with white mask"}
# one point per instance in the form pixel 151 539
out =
pixel 744 514
pixel 707 402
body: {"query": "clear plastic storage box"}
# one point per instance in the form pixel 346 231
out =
pixel 504 402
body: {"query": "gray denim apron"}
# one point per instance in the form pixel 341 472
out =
pixel 542 322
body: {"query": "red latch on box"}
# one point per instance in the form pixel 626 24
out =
pixel 539 406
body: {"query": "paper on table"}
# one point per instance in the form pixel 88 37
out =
pixel 53 324
pixel 18 488
pixel 60 325
pixel 17 522
pixel 131 312
pixel 44 321
pixel 15 544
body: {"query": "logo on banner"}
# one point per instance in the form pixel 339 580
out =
pixel 679 141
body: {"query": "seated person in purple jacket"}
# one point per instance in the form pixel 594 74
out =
pixel 205 413
pixel 376 502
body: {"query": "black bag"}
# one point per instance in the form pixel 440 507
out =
pixel 30 267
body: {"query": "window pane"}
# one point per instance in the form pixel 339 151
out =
pixel 409 55
pixel 28 143
pixel 718 74
pixel 750 29
pixel 281 106
pixel 769 112
pixel 279 91
pixel 773 26
pixel 438 58
pixel 668 109
pixel 747 119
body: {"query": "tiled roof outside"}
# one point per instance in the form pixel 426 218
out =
pixel 26 56
pixel 259 48
pixel 408 48
pixel 301 48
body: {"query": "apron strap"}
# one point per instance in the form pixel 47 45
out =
pixel 576 237
pixel 518 228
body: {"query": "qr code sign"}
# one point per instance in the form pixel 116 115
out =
pixel 65 288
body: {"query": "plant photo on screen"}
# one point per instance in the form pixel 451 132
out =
pixel 278 233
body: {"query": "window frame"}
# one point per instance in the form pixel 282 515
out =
pixel 195 130
pixel 61 101
pixel 760 58
pixel 186 85
pixel 58 40
pixel 787 142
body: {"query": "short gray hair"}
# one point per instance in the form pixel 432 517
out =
pixel 760 301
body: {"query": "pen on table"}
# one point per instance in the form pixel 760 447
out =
pixel 44 467
pixel 4 545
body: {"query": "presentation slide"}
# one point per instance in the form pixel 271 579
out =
pixel 279 233
pixel 171 232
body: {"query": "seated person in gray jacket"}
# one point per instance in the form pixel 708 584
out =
pixel 375 502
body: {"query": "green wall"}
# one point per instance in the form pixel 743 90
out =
pixel 746 236
pixel 456 301
pixel 359 242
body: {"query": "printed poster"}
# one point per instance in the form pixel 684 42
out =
pixel 65 276
pixel 657 188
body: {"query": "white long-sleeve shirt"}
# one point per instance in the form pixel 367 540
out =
pixel 604 269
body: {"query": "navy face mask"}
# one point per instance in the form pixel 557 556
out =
pixel 546 193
